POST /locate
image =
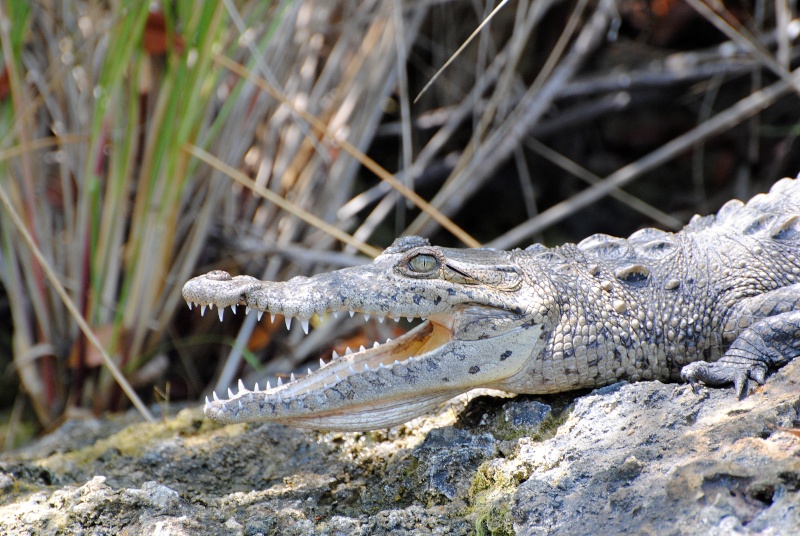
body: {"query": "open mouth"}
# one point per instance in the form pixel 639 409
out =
pixel 432 334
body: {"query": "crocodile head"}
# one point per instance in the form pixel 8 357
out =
pixel 477 331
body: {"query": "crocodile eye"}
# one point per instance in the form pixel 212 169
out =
pixel 423 263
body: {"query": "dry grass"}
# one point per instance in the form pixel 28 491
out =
pixel 139 149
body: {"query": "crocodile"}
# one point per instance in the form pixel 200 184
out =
pixel 715 303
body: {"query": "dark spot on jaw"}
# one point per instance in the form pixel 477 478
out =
pixel 377 382
pixel 505 355
pixel 417 298
pixel 348 396
pixel 445 379
pixel 474 369
pixel 451 291
pixel 437 300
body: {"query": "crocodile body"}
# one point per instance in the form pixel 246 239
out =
pixel 717 302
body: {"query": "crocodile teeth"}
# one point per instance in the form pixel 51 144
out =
pixel 246 310
pixel 233 309
pixel 375 344
pixel 280 381
pixel 210 305
pixel 366 368
pixel 230 393
pixel 361 348
pixel 304 323
pixel 190 308
pixel 352 370
pixel 352 314
pixel 321 363
pixel 381 319
pixel 241 386
pixel 308 373
pixel 255 388
pixel 291 377
pixel 216 398
pixel 366 317
pixel 410 319
pixel 269 385
pixel 347 350
pixel 260 314
pixel 207 402
pixel 221 313
pixel 202 310
pixel 241 407
pixel 271 317
pixel 334 355
pixel 288 321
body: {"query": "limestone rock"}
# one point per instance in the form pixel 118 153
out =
pixel 642 458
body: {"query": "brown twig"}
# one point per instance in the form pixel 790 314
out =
pixel 366 161
pixel 501 143
pixel 740 111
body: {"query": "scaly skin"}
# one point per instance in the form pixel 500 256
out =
pixel 717 302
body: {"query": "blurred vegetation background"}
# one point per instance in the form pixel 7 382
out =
pixel 143 143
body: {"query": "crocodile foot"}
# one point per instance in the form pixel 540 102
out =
pixel 769 342
pixel 726 371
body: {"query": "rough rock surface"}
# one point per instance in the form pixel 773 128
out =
pixel 645 458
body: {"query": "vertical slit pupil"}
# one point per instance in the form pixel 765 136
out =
pixel 423 263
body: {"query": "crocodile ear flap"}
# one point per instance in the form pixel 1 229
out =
pixel 406 243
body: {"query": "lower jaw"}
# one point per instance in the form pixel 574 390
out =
pixel 370 416
pixel 428 336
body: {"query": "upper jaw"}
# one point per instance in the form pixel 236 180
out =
pixel 293 299
pixel 364 289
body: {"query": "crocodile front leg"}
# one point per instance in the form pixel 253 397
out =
pixel 772 340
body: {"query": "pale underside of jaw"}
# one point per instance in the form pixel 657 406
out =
pixel 428 336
